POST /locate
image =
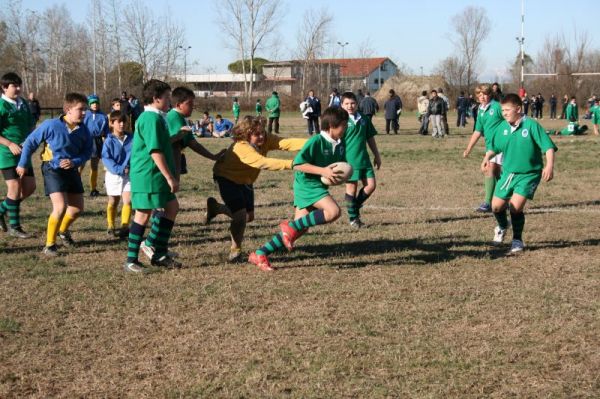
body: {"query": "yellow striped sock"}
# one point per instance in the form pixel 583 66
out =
pixel 52 230
pixel 66 222
pixel 125 215
pixel 111 214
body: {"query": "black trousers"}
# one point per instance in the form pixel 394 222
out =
pixel 273 124
pixel 313 125
pixel 393 123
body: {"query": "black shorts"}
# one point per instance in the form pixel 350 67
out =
pixel 236 196
pixel 97 147
pixel 61 180
pixel 11 173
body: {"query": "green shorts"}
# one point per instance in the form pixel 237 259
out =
pixel 150 200
pixel 363 173
pixel 523 184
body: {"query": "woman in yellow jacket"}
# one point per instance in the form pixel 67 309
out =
pixel 237 170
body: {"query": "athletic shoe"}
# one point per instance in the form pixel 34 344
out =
pixel 166 261
pixel 149 251
pixel 111 232
pixel 50 251
pixel 289 235
pixel 66 238
pixel 123 233
pixel 357 223
pixel 261 261
pixel 235 255
pixel 516 247
pixel 499 234
pixel 211 211
pixel 94 193
pixel 484 208
pixel 134 267
pixel 3 225
pixel 17 232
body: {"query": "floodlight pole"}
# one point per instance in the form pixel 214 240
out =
pixel 94 43
pixel 521 41
pixel 343 47
pixel 185 51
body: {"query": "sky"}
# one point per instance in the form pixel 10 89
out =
pixel 410 32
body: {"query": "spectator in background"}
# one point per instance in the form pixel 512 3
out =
pixel 359 96
pixel 435 111
pixel 206 125
pixel 525 100
pixel 34 108
pixel 334 99
pixel 393 108
pixel 474 109
pixel 115 104
pixel 540 106
pixel 125 108
pixel 423 114
pixel 565 103
pixel 368 106
pixel 272 106
pixel 553 103
pixel 312 117
pixel 136 109
pixel 497 92
pixel 446 108
pixel 222 127
pixel 258 108
pixel 533 102
pixel 462 104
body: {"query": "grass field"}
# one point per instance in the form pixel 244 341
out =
pixel 416 305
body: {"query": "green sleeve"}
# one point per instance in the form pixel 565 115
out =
pixel 479 123
pixel 306 154
pixel 542 139
pixel 154 137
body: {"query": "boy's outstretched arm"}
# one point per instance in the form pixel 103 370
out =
pixel 161 163
pixel 201 150
pixel 548 171
pixel 474 138
pixel 373 146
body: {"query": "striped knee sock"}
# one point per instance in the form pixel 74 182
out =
pixel 3 207
pixel 271 246
pixel 111 214
pixel 13 209
pixel 51 231
pixel 136 235
pixel 125 215
pixel 352 206
pixel 314 218
pixel 152 235
pixel 161 242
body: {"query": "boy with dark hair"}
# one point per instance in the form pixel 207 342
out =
pixel 488 118
pixel 522 140
pixel 97 124
pixel 116 154
pixel 181 134
pixel 313 204
pixel 153 184
pixel 359 133
pixel 67 146
pixel 16 122
pixel 222 127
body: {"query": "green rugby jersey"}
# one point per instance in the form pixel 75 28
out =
pixel 488 118
pixel 16 122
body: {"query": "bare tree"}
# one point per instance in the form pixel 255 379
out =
pixel 116 25
pixel 454 71
pixel 312 38
pixel 172 42
pixel 472 27
pixel 144 36
pixel 247 24
pixel 365 48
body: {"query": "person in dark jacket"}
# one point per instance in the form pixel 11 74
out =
pixel 462 104
pixel 540 106
pixel 313 116
pixel 368 106
pixel 435 111
pixel 393 108
pixel 553 103
pixel 34 108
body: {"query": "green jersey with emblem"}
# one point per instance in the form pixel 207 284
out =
pixel 176 121
pixel 16 123
pixel 488 118
pixel 151 135
pixel 359 130
pixel 320 150
pixel 522 146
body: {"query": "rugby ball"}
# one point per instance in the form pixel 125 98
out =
pixel 343 172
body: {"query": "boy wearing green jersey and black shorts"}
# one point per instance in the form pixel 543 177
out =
pixel 359 133
pixel 153 181
pixel 489 116
pixel 16 122
pixel 522 141
pixel 312 202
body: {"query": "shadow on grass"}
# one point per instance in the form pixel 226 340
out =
pixel 567 205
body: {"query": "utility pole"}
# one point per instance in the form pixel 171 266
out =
pixel 343 47
pixel 521 41
pixel 185 51
pixel 94 43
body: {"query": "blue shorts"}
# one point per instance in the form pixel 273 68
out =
pixel 236 196
pixel 11 173
pixel 61 180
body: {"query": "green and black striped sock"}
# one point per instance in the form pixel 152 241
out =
pixel 362 197
pixel 3 207
pixel 161 242
pixel 136 235
pixel 271 246
pixel 314 218
pixel 352 206
pixel 13 208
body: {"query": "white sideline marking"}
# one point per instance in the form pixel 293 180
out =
pixel 570 209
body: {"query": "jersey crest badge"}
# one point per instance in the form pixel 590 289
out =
pixel 525 133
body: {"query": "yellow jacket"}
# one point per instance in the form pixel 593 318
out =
pixel 243 162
